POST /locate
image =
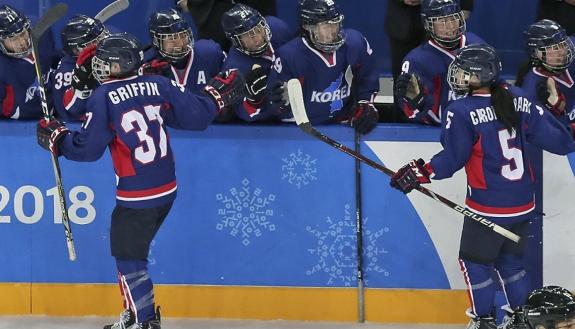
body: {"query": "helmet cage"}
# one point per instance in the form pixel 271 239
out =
pixel 553 62
pixel 261 27
pixel 458 78
pixel 101 69
pixel 175 53
pixel 430 24
pixel 314 34
pixel 15 34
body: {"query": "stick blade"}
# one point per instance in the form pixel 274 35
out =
pixel 50 17
pixel 112 9
pixel 295 95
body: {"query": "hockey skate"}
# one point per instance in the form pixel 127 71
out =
pixel 513 320
pixel 482 323
pixel 150 324
pixel 127 321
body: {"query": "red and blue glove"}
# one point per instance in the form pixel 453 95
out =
pixel 49 133
pixel 82 78
pixel 226 88
pixel 411 176
pixel 155 67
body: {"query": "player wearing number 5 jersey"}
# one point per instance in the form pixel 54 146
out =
pixel 128 114
pixel 486 133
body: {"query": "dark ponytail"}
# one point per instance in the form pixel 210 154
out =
pixel 522 71
pixel 502 103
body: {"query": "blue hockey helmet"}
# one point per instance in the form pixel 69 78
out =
pixel 14 32
pixel 171 34
pixel 548 306
pixel 475 65
pixel 80 32
pixel 548 45
pixel 444 21
pixel 117 55
pixel 242 23
pixel 322 23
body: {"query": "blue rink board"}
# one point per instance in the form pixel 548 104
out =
pixel 257 205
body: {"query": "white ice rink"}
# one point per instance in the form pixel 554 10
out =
pixel 43 322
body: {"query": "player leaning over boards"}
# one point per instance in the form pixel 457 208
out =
pixel 421 90
pixel 19 92
pixel 487 133
pixel 335 66
pixel 128 114
pixel 80 32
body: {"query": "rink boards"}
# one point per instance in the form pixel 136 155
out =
pixel 263 228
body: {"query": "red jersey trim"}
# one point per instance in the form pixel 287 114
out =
pixel 147 194
pixel 500 211
pixel 8 102
pixel 474 167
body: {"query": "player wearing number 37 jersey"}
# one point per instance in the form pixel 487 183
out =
pixel 486 133
pixel 128 114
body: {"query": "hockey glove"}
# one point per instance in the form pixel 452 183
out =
pixel 256 83
pixel 365 117
pixel 155 67
pixel 553 98
pixel 410 176
pixel 48 133
pixel 226 88
pixel 82 79
pixel 279 101
pixel 409 88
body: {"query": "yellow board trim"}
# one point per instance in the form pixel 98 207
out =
pixel 241 302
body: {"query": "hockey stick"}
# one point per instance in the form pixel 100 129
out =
pixel 359 234
pixel 112 9
pixel 298 108
pixel 52 15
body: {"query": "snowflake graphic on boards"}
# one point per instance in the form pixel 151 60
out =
pixel 336 250
pixel 245 212
pixel 299 168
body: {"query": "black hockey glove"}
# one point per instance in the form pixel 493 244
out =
pixel 226 88
pixel 278 101
pixel 410 176
pixel 256 83
pixel 364 118
pixel 82 79
pixel 409 88
pixel 155 67
pixel 48 133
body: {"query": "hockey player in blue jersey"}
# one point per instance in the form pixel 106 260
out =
pixel 176 55
pixel 335 66
pixel 550 74
pixel 254 41
pixel 191 64
pixel 128 114
pixel 487 132
pixel 19 92
pixel 421 91
pixel 80 32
